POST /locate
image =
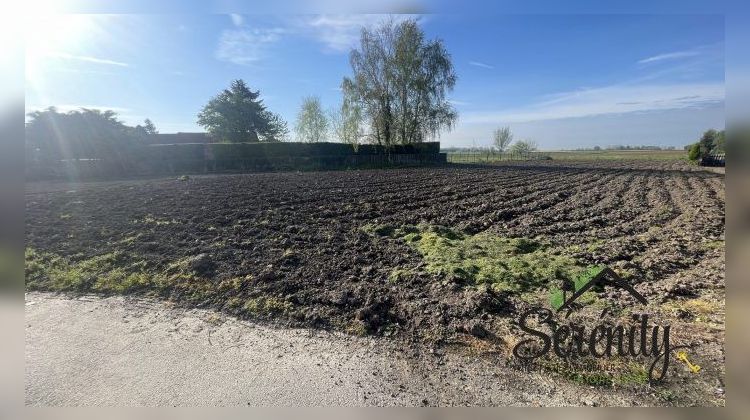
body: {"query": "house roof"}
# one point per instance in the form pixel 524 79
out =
pixel 179 138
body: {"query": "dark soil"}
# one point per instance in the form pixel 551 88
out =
pixel 300 246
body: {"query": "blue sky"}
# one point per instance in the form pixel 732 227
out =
pixel 565 81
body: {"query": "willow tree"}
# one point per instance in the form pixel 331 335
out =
pixel 346 122
pixel 312 124
pixel 401 80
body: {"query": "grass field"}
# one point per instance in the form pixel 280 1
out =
pixel 585 155
pixel 619 155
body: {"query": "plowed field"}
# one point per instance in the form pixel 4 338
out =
pixel 410 253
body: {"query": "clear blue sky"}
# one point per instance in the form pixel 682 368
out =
pixel 565 81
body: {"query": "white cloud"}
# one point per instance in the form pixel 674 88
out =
pixel 340 33
pixel 480 64
pixel 669 56
pixel 337 33
pixel 89 59
pixel 237 20
pixel 615 99
pixel 246 46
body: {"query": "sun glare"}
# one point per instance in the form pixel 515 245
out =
pixel 53 36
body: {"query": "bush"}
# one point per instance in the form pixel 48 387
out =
pixel 523 147
pixel 694 153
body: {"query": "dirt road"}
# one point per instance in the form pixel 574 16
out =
pixel 124 351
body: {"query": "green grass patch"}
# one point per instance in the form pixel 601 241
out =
pixel 266 306
pixel 599 372
pixel 619 155
pixel 399 274
pixel 633 374
pixel 711 245
pixel 107 273
pixel 556 299
pixel 505 264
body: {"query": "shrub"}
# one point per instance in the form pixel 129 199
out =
pixel 694 152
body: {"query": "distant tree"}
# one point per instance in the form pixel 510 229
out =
pixel 346 122
pixel 143 131
pixel 523 147
pixel 597 148
pixel 707 142
pixel 401 81
pixel 312 124
pixel 237 115
pixel 711 141
pixel 84 133
pixel 149 127
pixel 501 138
pixel 720 142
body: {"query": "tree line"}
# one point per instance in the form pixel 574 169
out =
pixel 396 94
pixel 83 133
pixel 711 142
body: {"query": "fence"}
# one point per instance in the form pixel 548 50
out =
pixel 490 157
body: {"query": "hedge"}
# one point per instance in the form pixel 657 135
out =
pixel 240 151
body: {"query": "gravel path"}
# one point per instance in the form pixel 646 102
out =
pixel 135 352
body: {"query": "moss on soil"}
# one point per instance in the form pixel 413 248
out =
pixel 107 273
pixel 266 306
pixel 516 265
pixel 599 372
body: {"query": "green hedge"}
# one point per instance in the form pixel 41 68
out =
pixel 173 152
pixel 239 151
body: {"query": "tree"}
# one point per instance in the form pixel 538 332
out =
pixel 143 131
pixel 401 81
pixel 79 134
pixel 711 141
pixel 311 124
pixel 237 115
pixel 523 147
pixel 149 127
pixel 694 152
pixel 707 142
pixel 501 138
pixel 720 142
pixel 277 129
pixel 346 122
